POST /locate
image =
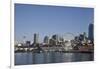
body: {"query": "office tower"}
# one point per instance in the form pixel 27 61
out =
pixel 76 38
pixel 84 33
pixel 55 38
pixel 46 40
pixel 85 36
pixel 51 42
pixel 91 32
pixel 36 38
pixel 28 43
pixel 81 37
pixel 60 40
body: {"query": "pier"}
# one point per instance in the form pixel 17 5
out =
pixel 38 49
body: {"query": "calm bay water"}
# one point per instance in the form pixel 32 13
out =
pixel 51 57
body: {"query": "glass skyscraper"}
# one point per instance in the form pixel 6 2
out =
pixel 91 32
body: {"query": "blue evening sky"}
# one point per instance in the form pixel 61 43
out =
pixel 49 20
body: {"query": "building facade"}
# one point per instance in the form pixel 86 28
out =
pixel 91 32
pixel 46 40
pixel 36 38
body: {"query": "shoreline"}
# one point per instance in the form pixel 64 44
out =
pixel 73 51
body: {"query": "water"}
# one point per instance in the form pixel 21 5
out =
pixel 51 57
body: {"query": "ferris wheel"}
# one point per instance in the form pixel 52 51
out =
pixel 68 36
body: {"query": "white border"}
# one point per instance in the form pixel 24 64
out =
pixel 12 36
pixel 76 3
pixel 4 34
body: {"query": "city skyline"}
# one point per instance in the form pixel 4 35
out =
pixel 49 20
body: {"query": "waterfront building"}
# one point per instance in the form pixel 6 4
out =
pixel 51 42
pixel 81 37
pixel 46 40
pixel 28 43
pixel 36 38
pixel 55 38
pixel 85 37
pixel 67 45
pixel 76 38
pixel 19 44
pixel 91 32
pixel 61 40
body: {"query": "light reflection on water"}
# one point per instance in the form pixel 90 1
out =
pixel 51 57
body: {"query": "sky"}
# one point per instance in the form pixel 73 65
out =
pixel 50 20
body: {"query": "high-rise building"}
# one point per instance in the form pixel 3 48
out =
pixel 76 38
pixel 91 32
pixel 51 42
pixel 36 38
pixel 81 37
pixel 28 43
pixel 55 38
pixel 46 39
pixel 85 36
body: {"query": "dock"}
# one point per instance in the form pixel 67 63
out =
pixel 49 49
